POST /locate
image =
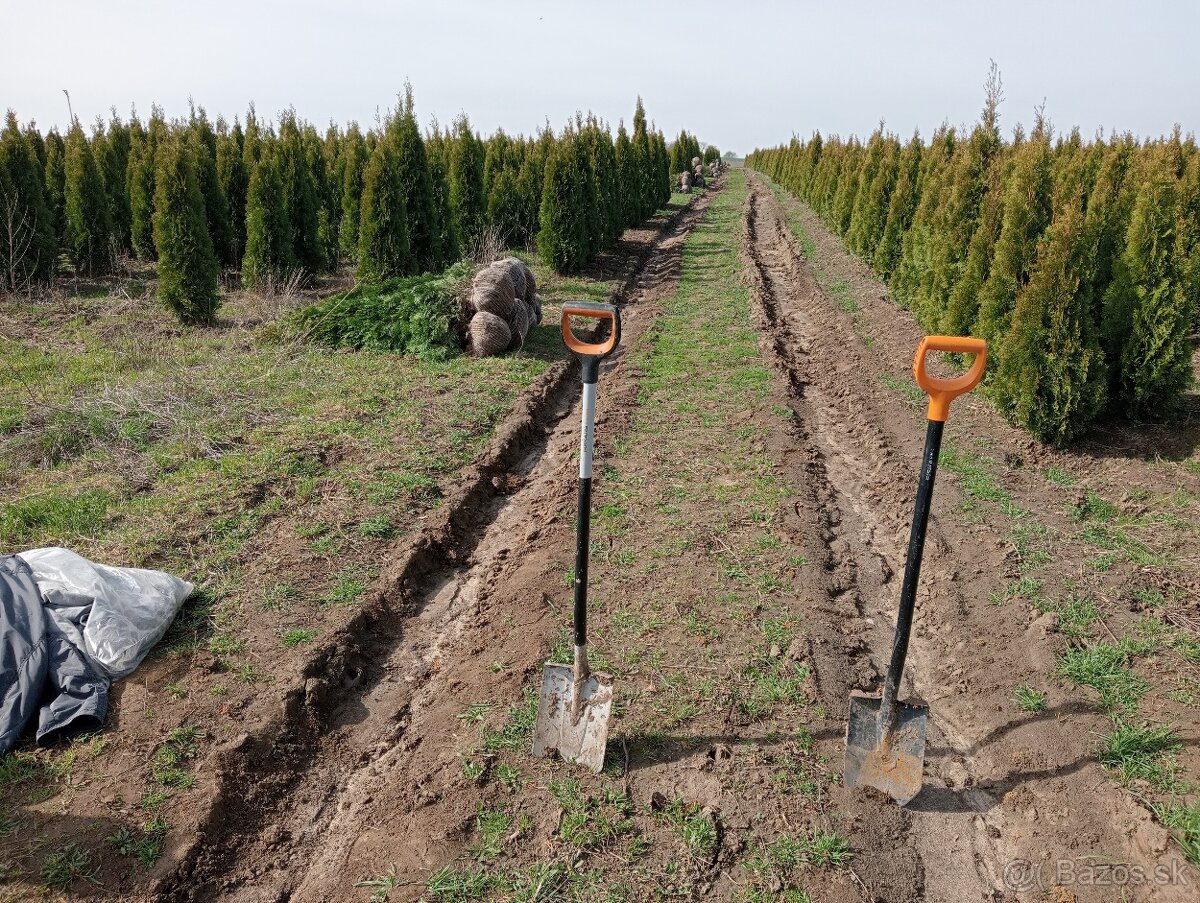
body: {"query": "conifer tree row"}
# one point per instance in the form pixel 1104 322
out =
pixel 1078 261
pixel 279 197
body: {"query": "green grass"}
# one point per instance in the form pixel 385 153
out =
pixel 695 826
pixel 381 886
pixel 1105 668
pixel 1057 476
pixel 1092 507
pixel 590 822
pixel 492 825
pixel 298 636
pixel 1141 751
pixel 517 732
pixel 1184 821
pixel 62 867
pixel 1030 700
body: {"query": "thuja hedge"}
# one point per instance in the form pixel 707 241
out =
pixel 278 197
pixel 1078 261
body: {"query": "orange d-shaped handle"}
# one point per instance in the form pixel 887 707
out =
pixel 596 311
pixel 943 391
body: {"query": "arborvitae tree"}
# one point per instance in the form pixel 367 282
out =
pixel 111 148
pixel 874 189
pixel 917 247
pixel 354 165
pixel 269 249
pixel 962 309
pixel 216 207
pixel 662 164
pixel 902 203
pixel 1027 200
pixel 413 173
pixel 234 181
pixel 54 183
pixel 711 153
pixel 187 264
pixel 252 143
pixel 1187 239
pixel 1052 379
pixel 959 216
pixel 529 187
pixel 139 177
pixel 505 207
pixel 468 202
pixel 847 188
pixel 563 239
pixel 1146 319
pixel 335 177
pixel 626 176
pixel 1108 212
pixel 383 243
pixel 299 195
pixel 27 242
pixel 439 176
pixel 679 162
pixel 643 167
pixel 88 223
pixel 608 187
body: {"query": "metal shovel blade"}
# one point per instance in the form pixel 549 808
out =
pixel 557 732
pixel 895 771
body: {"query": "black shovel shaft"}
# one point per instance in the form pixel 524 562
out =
pixel 582 531
pixel 912 568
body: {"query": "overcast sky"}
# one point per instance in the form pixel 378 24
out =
pixel 738 74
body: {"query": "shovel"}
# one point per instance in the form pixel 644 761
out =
pixel 885 738
pixel 575 703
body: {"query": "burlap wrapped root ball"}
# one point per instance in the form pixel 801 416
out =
pixel 488 335
pixel 516 273
pixel 535 305
pixel 492 292
pixel 519 325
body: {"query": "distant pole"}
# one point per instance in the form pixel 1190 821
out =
pixel 69 110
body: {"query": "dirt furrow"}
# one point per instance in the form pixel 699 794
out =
pixel 379 711
pixel 1000 788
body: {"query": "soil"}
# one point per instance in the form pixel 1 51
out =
pixel 370 764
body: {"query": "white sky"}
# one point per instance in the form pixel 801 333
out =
pixel 737 74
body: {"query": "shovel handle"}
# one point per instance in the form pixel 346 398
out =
pixel 590 354
pixel 943 391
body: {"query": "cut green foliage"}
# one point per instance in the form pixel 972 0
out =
pixel 418 315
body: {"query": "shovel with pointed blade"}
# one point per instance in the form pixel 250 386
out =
pixel 885 738
pixel 575 703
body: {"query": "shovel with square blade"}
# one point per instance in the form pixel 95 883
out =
pixel 885 738
pixel 575 703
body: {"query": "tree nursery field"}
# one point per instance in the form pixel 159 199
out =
pixel 265 359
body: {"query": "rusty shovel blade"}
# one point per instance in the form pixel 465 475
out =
pixel 895 770
pixel 558 732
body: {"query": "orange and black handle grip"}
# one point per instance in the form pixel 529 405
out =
pixel 941 392
pixel 590 354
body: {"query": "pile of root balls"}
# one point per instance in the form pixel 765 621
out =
pixel 504 306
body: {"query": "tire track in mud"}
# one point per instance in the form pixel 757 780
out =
pixel 371 715
pixel 984 769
